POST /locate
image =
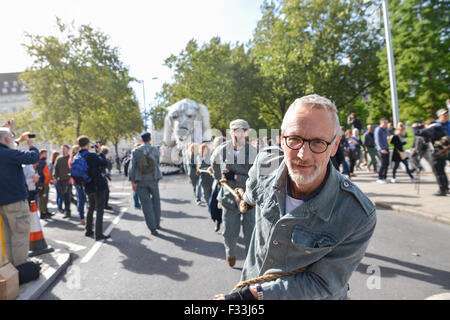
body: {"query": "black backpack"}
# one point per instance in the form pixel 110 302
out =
pixel 28 271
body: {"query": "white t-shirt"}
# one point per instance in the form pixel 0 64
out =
pixel 292 203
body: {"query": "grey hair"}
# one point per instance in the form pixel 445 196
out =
pixel 4 132
pixel 318 102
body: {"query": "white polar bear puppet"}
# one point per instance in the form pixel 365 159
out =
pixel 186 121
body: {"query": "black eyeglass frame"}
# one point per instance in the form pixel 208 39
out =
pixel 309 143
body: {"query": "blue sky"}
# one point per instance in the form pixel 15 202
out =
pixel 146 32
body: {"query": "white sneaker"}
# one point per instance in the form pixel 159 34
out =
pixel 381 181
pixel 393 181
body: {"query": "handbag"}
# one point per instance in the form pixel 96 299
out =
pixel 403 155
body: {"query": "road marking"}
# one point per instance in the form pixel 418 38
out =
pixel 440 296
pixel 71 246
pixel 98 244
pixel 119 194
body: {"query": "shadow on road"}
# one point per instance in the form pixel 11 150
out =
pixel 142 260
pixel 179 215
pixel 426 274
pixel 176 201
pixel 193 244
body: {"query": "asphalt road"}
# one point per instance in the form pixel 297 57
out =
pixel 406 259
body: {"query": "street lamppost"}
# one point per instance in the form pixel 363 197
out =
pixel 152 127
pixel 146 114
pixel 145 105
pixel 390 56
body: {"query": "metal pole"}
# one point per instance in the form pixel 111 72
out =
pixel 145 105
pixel 390 56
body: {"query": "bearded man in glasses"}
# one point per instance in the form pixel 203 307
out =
pixel 310 219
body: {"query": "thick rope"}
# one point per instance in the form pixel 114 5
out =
pixel 266 278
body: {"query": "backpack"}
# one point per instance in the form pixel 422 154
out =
pixel 146 163
pixel 79 169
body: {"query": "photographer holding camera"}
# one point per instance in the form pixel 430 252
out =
pixel 14 208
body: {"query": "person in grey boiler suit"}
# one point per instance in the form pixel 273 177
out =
pixel 232 160
pixel 144 174
pixel 311 220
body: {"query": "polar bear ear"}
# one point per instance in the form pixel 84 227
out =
pixel 206 127
pixel 168 138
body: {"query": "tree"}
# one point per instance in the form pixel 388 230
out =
pixel 420 41
pixel 221 76
pixel 79 85
pixel 323 47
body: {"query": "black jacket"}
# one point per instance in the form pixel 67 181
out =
pixel 96 163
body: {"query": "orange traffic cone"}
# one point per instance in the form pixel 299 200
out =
pixel 38 245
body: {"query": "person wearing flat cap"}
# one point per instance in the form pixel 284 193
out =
pixel 232 160
pixel 144 174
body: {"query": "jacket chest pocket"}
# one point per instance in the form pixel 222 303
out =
pixel 311 241
pixel 270 209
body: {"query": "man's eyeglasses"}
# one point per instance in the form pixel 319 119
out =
pixel 316 145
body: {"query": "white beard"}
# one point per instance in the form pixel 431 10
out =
pixel 304 179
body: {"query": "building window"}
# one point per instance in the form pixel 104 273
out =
pixel 13 89
pixel 15 84
pixel 6 84
pixel 5 90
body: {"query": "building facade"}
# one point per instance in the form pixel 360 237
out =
pixel 12 93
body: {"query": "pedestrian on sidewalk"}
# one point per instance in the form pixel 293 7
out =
pixel 43 184
pixel 399 154
pixel 144 174
pixel 62 176
pixel 381 142
pixel 14 208
pixel 354 143
pixel 437 135
pixel 95 186
pixel 369 143
pixel 311 220
pixel 232 160
pixel 422 147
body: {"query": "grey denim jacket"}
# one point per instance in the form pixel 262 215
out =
pixel 329 233
pixel 136 155
pixel 223 157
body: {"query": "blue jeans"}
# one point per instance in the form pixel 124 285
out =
pixel 148 192
pixel 59 197
pixel 81 200
pixel 382 174
pixel 397 164
pixel 136 200
pixel 345 168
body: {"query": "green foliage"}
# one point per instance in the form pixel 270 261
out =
pixel 420 41
pixel 322 47
pixel 221 76
pixel 79 86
